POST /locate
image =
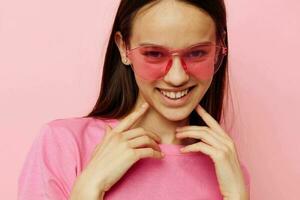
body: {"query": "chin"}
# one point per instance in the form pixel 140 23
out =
pixel 175 114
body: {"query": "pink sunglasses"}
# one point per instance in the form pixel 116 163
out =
pixel 152 62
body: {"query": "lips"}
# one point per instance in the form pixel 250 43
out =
pixel 175 102
pixel 176 90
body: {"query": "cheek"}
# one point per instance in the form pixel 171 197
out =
pixel 205 84
pixel 202 88
pixel 146 88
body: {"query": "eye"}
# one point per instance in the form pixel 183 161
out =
pixel 196 54
pixel 153 54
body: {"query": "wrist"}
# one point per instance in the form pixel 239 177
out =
pixel 85 189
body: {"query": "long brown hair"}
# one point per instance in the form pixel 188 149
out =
pixel 119 91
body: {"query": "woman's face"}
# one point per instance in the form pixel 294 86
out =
pixel 175 25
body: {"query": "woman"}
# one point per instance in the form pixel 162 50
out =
pixel 171 55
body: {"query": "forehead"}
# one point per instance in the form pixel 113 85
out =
pixel 172 24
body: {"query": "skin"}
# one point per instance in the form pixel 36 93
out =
pixel 178 25
pixel 174 25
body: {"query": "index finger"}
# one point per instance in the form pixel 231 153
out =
pixel 128 121
pixel 208 119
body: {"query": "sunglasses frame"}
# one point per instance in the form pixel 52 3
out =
pixel 180 51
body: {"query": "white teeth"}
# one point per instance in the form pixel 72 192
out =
pixel 175 95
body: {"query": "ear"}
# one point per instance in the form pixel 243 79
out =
pixel 122 47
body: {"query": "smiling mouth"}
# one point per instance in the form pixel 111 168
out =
pixel 176 95
pixel 189 88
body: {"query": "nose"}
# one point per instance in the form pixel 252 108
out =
pixel 176 75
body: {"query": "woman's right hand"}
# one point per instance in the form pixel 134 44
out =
pixel 120 148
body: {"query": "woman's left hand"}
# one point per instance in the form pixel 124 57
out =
pixel 217 144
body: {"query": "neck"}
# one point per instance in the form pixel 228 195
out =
pixel 163 127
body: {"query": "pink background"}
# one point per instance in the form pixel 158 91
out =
pixel 51 53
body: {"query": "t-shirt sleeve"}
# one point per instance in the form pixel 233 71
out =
pixel 49 170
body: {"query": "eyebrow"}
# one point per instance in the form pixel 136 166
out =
pixel 153 44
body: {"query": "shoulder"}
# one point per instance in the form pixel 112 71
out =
pixel 71 124
pixel 57 156
pixel 75 136
pixel 74 131
pixel 63 131
pixel 76 127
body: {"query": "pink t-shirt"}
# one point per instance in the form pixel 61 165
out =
pixel 63 148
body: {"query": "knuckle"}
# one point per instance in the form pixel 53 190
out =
pixel 117 138
pixel 140 129
pixel 221 155
pixel 154 135
pixel 150 135
pixel 226 150
pixel 122 136
pixel 126 144
pixel 206 128
pixel 133 154
pixel 150 151
pixel 147 139
pixel 144 138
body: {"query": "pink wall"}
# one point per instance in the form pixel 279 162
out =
pixel 264 38
pixel 51 56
